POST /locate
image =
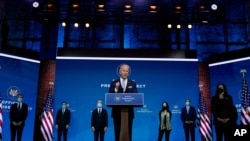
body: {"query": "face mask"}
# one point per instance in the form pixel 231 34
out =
pixel 220 90
pixel 99 105
pixel 19 99
pixel 187 103
pixel 63 106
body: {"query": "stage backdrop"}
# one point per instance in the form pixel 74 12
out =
pixel 228 72
pixel 81 82
pixel 18 75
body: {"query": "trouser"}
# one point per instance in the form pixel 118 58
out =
pixel 223 130
pixel 161 133
pixel 99 132
pixel 16 130
pixel 189 131
pixel 61 131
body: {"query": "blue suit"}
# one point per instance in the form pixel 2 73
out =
pixel 116 110
pixel 189 115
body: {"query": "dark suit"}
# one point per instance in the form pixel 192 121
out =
pixel 62 119
pixel 17 115
pixel 116 110
pixel 189 116
pixel 99 121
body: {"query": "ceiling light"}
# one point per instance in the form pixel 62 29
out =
pixel 87 25
pixel 100 7
pixel 127 8
pixel 153 8
pixel 76 24
pixel 63 24
pixel 178 9
pixel 214 7
pixel 169 26
pixel 35 4
pixel 75 5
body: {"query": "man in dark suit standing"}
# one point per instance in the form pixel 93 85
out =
pixel 18 115
pixel 122 85
pixel 62 121
pixel 188 117
pixel 99 121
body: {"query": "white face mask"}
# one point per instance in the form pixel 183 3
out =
pixel 19 99
pixel 187 103
pixel 99 105
pixel 63 106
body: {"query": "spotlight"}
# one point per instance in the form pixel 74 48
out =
pixel 76 24
pixel 204 21
pixel 75 7
pixel 35 4
pixel 63 24
pixel 189 26
pixel 169 26
pixel 87 25
pixel 214 6
pixel 178 26
pixel 100 7
pixel 178 9
pixel 50 5
pixel 128 8
pixel 203 8
pixel 153 8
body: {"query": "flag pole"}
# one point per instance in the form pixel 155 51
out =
pixel 245 109
pixel 243 71
pixel 47 121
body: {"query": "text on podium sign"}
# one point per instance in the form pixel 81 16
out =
pixel 124 99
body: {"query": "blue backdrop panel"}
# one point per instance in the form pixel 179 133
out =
pixel 229 74
pixel 18 76
pixel 82 82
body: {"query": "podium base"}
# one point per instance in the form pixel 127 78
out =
pixel 124 133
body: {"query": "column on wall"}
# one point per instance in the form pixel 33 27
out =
pixel 48 51
pixel 204 85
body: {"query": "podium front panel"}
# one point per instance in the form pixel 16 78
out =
pixel 136 99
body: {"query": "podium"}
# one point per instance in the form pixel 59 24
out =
pixel 124 99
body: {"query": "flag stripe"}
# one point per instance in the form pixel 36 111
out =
pixel 204 121
pixel 47 118
pixel 245 102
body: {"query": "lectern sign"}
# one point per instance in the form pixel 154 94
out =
pixel 124 99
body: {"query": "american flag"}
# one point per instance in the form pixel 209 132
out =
pixel 245 102
pixel 204 121
pixel 1 117
pixel 47 118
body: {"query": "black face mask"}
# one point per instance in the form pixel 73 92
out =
pixel 220 91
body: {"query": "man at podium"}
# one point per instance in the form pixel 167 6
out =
pixel 122 85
